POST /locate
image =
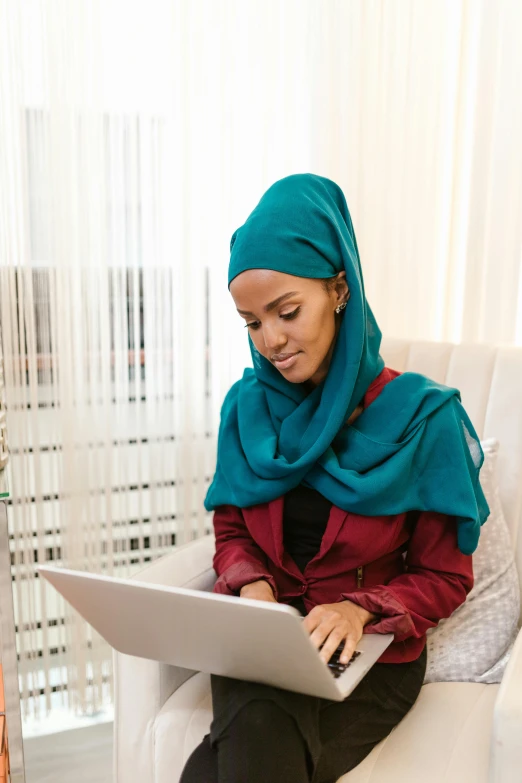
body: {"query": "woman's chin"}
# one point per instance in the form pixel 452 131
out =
pixel 298 373
pixel 295 377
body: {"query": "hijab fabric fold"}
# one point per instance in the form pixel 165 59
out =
pixel 413 448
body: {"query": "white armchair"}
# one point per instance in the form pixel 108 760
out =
pixel 456 732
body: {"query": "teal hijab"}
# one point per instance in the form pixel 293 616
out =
pixel 413 448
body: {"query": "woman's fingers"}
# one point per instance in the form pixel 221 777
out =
pixel 330 628
pixel 329 633
pixel 349 648
pixel 331 644
pixel 319 625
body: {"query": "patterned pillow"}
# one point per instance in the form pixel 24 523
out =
pixel 474 643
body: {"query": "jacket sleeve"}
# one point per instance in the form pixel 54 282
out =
pixel 436 581
pixel 238 560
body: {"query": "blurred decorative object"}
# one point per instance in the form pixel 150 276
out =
pixel 12 766
pixel 4 747
pixel 4 453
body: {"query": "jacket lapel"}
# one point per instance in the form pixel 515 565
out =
pixel 335 522
pixel 275 511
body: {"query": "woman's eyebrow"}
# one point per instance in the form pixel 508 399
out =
pixel 270 306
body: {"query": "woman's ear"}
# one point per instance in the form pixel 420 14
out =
pixel 340 277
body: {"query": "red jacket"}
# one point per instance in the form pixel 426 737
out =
pixel 360 560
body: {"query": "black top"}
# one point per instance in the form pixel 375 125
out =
pixel 305 516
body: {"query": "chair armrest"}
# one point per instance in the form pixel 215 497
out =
pixel 506 739
pixel 143 686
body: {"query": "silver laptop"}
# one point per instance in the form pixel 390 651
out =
pixel 236 637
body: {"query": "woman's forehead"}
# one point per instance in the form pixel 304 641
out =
pixel 262 286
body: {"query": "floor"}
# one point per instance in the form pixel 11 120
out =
pixel 79 755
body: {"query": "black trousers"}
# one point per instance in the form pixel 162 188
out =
pixel 260 733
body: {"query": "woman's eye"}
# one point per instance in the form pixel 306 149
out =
pixel 255 324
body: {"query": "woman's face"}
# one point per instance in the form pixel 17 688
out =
pixel 303 323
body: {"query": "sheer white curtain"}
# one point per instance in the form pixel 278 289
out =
pixel 418 115
pixel 134 138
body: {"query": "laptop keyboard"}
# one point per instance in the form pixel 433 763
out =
pixel 336 667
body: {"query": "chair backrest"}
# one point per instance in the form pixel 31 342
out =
pixel 489 378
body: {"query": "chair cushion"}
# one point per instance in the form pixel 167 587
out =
pixel 474 643
pixel 444 738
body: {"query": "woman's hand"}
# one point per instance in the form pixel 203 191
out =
pixel 335 622
pixel 259 591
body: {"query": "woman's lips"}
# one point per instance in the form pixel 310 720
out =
pixel 283 365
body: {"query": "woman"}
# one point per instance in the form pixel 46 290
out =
pixel 342 487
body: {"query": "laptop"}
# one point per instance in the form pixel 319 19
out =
pixel 243 638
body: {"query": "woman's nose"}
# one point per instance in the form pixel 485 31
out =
pixel 274 338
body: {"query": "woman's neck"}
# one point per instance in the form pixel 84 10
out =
pixel 357 412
